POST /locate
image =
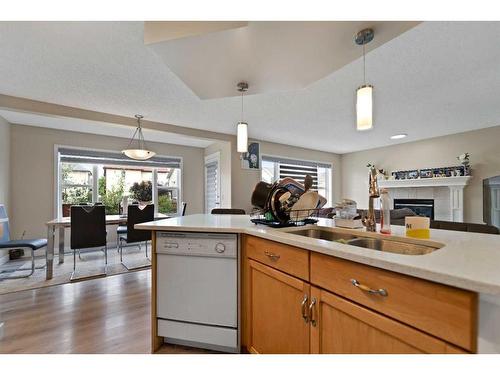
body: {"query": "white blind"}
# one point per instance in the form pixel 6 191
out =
pixel 211 175
pixel 297 169
pixel 73 155
pixel 298 173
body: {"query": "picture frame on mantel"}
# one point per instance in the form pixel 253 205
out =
pixel 251 159
pixel 412 175
pixel 426 173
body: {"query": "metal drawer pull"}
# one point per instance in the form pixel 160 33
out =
pixel 272 256
pixel 303 309
pixel 311 312
pixel 364 288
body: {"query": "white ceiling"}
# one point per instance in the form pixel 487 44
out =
pixel 270 56
pixel 438 78
pixel 101 128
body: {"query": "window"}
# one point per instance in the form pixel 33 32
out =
pixel 87 176
pixel 212 182
pixel 275 168
pixel 76 185
pixel 168 183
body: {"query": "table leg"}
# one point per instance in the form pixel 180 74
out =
pixel 49 253
pixel 61 245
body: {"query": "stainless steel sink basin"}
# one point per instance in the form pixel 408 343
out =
pixel 324 234
pixel 391 246
pixel 373 243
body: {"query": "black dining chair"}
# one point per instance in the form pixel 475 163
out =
pixel 228 211
pixel 137 214
pixel 6 243
pixel 88 230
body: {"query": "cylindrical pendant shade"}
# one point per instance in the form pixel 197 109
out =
pixel 242 135
pixel 364 108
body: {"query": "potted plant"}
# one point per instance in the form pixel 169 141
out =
pixel 142 192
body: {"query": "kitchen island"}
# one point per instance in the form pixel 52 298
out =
pixel 443 301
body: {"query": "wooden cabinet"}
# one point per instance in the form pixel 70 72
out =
pixel 339 326
pixel 275 322
pixel 284 313
pixel 442 311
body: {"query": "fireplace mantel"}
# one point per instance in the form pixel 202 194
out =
pixel 425 182
pixel 454 209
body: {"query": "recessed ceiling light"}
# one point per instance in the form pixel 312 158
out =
pixel 399 136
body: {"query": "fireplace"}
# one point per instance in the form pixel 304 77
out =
pixel 422 207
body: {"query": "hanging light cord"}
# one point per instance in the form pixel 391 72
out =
pixel 242 105
pixel 140 137
pixel 364 65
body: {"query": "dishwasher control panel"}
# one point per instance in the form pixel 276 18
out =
pixel 197 244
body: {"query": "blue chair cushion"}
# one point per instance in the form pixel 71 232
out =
pixel 121 230
pixel 34 244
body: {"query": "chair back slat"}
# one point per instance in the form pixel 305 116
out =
pixel 136 215
pixel 4 224
pixel 88 226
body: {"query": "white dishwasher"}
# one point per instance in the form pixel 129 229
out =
pixel 197 289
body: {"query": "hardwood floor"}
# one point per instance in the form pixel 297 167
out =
pixel 108 315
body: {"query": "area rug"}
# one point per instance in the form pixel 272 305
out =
pixel 91 263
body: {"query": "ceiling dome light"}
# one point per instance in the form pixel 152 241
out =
pixel 140 152
pixel 399 136
pixel 364 94
pixel 242 126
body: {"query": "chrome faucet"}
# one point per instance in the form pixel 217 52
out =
pixel 369 221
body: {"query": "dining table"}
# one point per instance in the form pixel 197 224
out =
pixel 60 225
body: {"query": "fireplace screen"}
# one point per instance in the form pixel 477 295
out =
pixel 422 207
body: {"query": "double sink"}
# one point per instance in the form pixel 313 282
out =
pixel 368 241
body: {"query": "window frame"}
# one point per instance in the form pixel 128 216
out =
pixel 215 156
pixel 92 186
pixel 57 208
pixel 329 181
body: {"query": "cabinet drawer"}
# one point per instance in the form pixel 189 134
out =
pixel 446 312
pixel 291 260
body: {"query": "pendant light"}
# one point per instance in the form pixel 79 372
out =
pixel 364 93
pixel 139 153
pixel 242 127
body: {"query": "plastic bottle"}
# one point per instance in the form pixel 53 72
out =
pixel 385 212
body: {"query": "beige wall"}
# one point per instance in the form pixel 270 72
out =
pixel 244 180
pixel 32 172
pixel 224 150
pixel 483 145
pixel 4 172
pixel 4 161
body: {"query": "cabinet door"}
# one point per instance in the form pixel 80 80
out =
pixel 339 326
pixel 277 311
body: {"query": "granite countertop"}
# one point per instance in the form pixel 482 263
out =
pixel 468 260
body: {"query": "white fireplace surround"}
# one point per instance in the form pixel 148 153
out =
pixel 447 192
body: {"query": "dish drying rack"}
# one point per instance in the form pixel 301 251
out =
pixel 295 218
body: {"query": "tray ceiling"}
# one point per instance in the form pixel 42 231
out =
pixel 212 57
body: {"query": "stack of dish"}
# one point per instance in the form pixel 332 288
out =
pixel 287 200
